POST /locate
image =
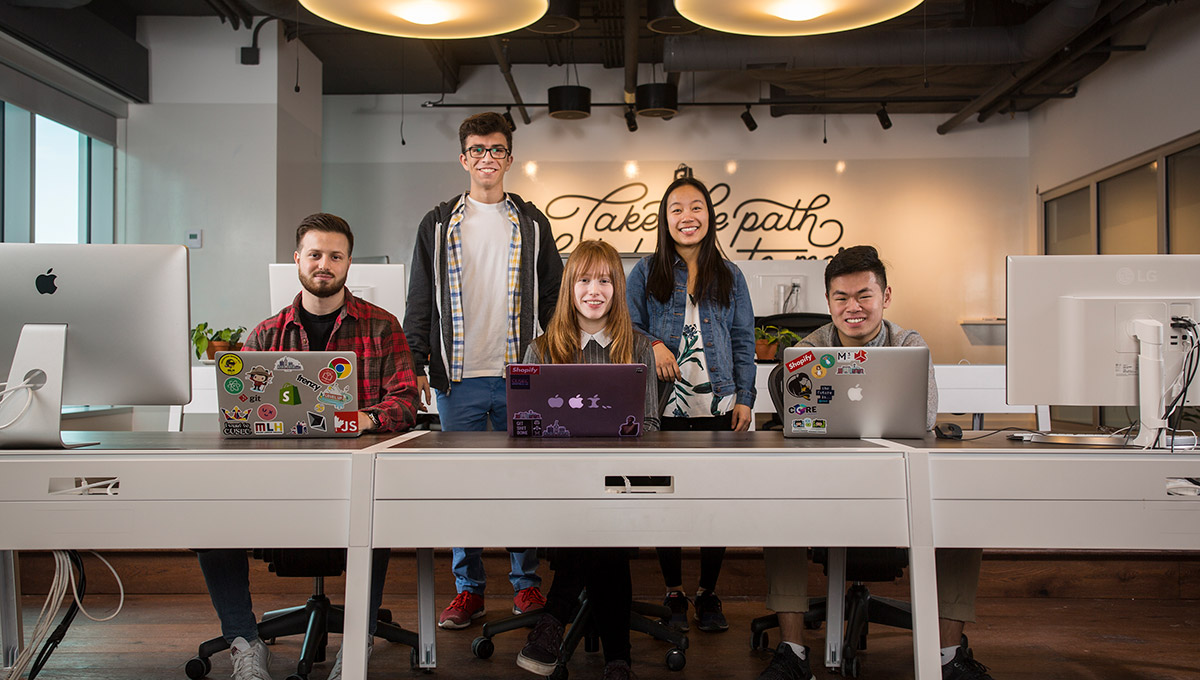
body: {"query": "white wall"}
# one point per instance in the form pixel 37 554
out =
pixel 224 148
pixel 944 210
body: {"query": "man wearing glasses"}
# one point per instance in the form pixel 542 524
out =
pixel 483 283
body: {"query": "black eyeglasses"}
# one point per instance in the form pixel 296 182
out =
pixel 497 152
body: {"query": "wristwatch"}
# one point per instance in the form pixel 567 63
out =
pixel 374 418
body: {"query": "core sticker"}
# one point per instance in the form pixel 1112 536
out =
pixel 341 367
pixel 230 364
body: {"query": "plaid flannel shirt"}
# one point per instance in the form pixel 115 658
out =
pixel 387 385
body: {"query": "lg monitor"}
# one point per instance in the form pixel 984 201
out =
pixel 86 325
pixel 1106 330
pixel 382 285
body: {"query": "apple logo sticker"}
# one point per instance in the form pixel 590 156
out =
pixel 855 393
pixel 45 282
pixel 576 401
pixel 555 402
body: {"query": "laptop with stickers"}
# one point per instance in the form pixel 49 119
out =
pixel 287 394
pixel 575 400
pixel 855 392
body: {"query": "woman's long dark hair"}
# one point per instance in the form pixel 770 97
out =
pixel 713 279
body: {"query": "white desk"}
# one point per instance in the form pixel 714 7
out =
pixel 185 491
pixel 725 489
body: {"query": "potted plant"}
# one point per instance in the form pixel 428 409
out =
pixel 209 341
pixel 769 340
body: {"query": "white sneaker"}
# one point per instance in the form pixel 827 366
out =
pixel 336 672
pixel 250 659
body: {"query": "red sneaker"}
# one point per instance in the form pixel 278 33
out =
pixel 528 599
pixel 465 607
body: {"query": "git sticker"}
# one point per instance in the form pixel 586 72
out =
pixel 231 364
pixel 342 367
pixel 234 385
pixel 818 370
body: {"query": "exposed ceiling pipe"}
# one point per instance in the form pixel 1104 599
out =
pixel 506 69
pixel 877 48
pixel 233 11
pixel 1000 90
pixel 631 50
pixel 1067 57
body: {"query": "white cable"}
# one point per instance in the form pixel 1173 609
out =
pixel 28 387
pixel 120 587
pixel 108 484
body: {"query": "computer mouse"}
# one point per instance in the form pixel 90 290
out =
pixel 948 431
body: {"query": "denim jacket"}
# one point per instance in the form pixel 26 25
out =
pixel 728 330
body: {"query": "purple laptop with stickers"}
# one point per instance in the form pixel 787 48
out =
pixel 287 394
pixel 575 400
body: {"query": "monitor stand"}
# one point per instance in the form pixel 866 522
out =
pixel 40 358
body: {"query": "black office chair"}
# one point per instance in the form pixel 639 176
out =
pixel 316 619
pixel 645 618
pixel 862 565
pixel 800 323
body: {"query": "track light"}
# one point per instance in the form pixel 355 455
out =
pixel 748 119
pixel 630 119
pixel 512 124
pixel 885 122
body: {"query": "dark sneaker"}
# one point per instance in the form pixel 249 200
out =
pixel 540 653
pixel 708 614
pixel 677 602
pixel 528 599
pixel 618 670
pixel 785 665
pixel 465 607
pixel 964 667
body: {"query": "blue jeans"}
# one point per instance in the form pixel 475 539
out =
pixel 469 406
pixel 227 575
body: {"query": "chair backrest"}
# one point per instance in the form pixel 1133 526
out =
pixel 775 387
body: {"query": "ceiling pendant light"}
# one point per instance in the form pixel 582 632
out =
pixel 569 102
pixel 656 100
pixel 791 17
pixel 431 19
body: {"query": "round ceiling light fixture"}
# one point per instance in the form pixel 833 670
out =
pixel 656 100
pixel 791 17
pixel 569 102
pixel 431 19
pixel 562 17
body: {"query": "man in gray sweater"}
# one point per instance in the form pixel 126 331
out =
pixel 857 292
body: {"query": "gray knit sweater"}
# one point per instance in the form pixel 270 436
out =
pixel 890 335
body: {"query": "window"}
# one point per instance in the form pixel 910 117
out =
pixel 58 183
pixel 1183 201
pixel 1069 225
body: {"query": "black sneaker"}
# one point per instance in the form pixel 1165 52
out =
pixel 964 666
pixel 785 665
pixel 618 670
pixel 708 613
pixel 540 653
pixel 677 602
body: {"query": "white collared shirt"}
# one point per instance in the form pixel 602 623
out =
pixel 602 338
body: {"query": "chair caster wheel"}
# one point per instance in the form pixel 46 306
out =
pixel 812 625
pixel 850 667
pixel 197 668
pixel 676 660
pixel 560 673
pixel 760 641
pixel 482 648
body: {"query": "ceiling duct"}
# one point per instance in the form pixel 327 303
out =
pixel 570 102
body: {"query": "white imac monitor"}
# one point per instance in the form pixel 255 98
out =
pixel 785 286
pixel 383 285
pixel 1105 330
pixel 89 324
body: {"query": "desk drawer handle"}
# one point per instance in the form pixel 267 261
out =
pixel 84 486
pixel 646 484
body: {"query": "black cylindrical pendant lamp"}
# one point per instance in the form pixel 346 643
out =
pixel 561 17
pixel 570 102
pixel 656 100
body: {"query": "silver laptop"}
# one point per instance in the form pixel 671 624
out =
pixel 575 400
pixel 287 394
pixel 855 392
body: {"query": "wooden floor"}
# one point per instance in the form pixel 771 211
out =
pixel 1019 638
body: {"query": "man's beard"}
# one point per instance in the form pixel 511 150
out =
pixel 322 289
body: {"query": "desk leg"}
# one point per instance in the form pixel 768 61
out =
pixel 11 637
pixel 426 613
pixel 922 568
pixel 835 608
pixel 358 597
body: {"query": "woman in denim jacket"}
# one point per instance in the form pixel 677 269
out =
pixel 695 307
